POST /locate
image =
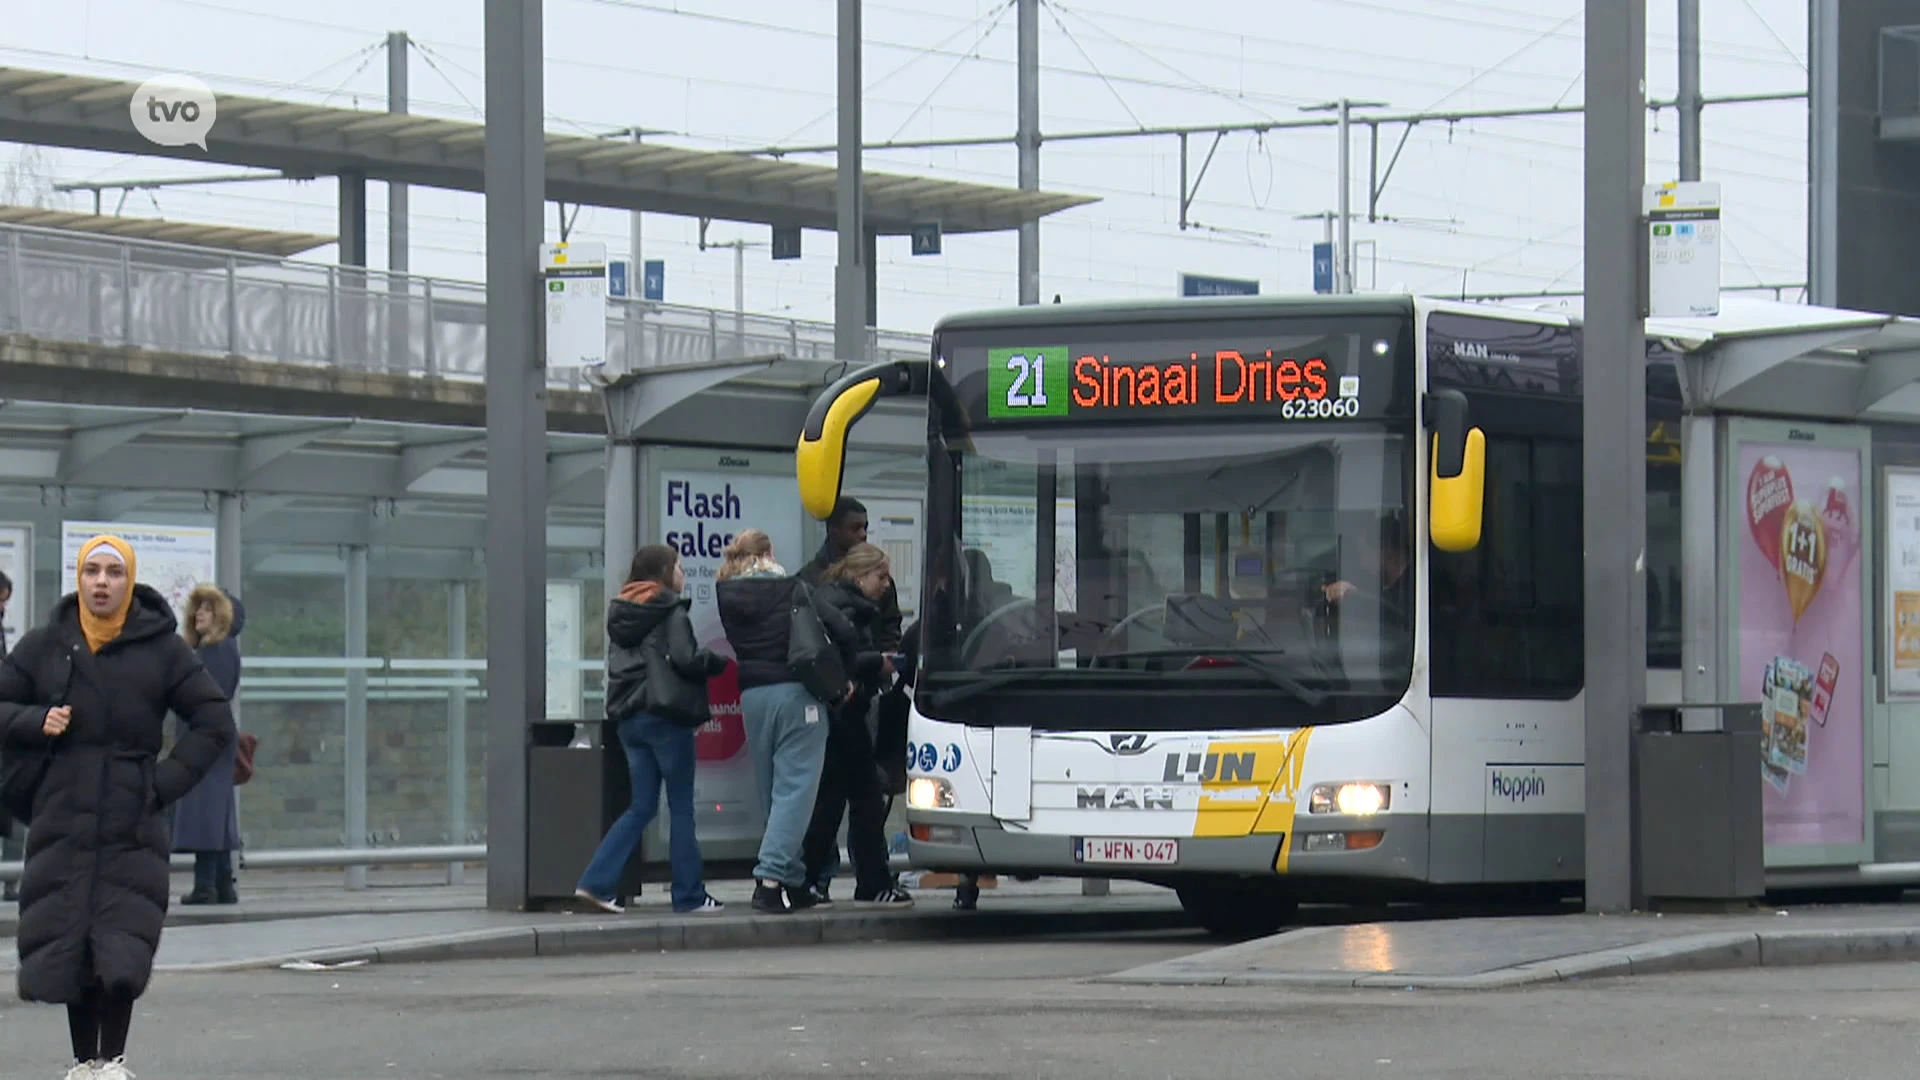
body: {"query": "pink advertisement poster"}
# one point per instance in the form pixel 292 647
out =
pixel 1802 653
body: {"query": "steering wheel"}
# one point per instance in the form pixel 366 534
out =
pixel 976 638
pixel 1121 627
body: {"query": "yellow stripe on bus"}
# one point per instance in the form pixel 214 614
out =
pixel 1253 789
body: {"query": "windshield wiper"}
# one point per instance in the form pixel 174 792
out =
pixel 1246 657
pixel 983 683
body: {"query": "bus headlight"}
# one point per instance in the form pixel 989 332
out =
pixel 927 793
pixel 1358 800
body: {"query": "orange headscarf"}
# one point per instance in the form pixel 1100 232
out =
pixel 101 629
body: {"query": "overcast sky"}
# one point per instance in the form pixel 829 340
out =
pixel 1491 204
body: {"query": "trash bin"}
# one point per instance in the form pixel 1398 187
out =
pixel 573 794
pixel 1698 814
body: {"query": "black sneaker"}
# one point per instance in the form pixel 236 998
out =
pixel 773 898
pixel 892 896
pixel 814 896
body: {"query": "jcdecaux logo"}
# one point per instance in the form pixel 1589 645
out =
pixel 1519 787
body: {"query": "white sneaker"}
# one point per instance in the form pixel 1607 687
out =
pixel 83 1071
pixel 584 896
pixel 113 1070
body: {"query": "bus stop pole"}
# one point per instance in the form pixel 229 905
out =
pixel 1614 419
pixel 516 167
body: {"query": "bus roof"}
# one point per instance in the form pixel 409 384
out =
pixel 1740 317
pixel 1176 309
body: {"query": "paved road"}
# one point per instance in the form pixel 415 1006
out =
pixel 984 1010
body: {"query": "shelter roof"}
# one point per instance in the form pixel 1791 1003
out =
pixel 89 113
pixel 193 234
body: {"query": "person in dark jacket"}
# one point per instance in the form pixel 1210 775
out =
pixel 206 821
pixel 786 725
pixel 657 694
pixel 846 527
pixel 849 782
pixel 92 688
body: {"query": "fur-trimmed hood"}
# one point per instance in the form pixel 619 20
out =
pixel 228 616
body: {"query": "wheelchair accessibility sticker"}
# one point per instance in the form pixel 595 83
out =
pixel 926 757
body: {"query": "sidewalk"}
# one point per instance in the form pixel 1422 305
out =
pixel 293 917
pixel 1497 953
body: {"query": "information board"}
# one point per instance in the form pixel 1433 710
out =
pixel 1683 249
pixel 171 559
pixel 574 277
pixel 1902 607
pixel 16 561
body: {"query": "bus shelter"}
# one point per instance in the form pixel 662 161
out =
pixel 1799 546
pixel 697 453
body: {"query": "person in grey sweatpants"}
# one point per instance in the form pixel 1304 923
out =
pixel 786 725
pixel 787 736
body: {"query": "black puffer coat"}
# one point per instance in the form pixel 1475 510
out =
pixel 757 613
pixel 862 657
pixel 643 633
pixel 95 890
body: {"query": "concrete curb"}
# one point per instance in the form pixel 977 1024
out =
pixel 599 935
pixel 179 917
pixel 1725 951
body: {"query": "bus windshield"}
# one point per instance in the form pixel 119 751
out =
pixel 1169 575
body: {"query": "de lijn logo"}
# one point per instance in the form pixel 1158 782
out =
pixel 1518 787
pixel 173 110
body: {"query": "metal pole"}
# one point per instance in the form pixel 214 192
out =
pixel 739 279
pixel 850 278
pixel 457 729
pixel 516 434
pixel 1823 160
pixel 1028 137
pixel 356 710
pixel 397 49
pixel 635 219
pixel 399 290
pixel 1343 250
pixel 1688 98
pixel 1700 641
pixel 1614 418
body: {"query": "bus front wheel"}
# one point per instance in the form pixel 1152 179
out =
pixel 1235 910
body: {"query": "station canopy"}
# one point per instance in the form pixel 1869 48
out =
pixel 224 238
pixel 1798 360
pixel 82 112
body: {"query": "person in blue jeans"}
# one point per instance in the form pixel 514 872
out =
pixel 786 725
pixel 657 695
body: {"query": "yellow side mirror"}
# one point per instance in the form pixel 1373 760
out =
pixel 821 457
pixel 1454 503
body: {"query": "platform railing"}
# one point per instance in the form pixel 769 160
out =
pixel 73 287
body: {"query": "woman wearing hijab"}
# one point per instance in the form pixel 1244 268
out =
pixel 91 691
pixel 206 821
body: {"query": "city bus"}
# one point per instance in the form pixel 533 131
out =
pixel 1267 600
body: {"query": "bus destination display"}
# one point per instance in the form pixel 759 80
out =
pixel 1066 383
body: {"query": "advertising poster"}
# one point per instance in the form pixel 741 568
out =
pixel 701 511
pixel 1903 582
pixel 16 561
pixel 1801 650
pixel 171 559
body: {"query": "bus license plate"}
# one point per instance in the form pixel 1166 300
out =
pixel 1115 849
